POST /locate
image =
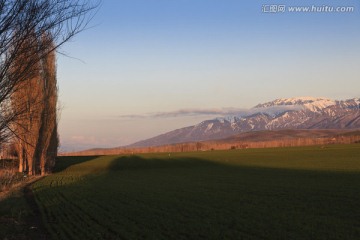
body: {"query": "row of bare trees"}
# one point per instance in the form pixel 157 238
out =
pixel 30 33
pixel 35 127
pixel 224 145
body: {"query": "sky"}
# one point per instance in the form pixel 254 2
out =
pixel 145 67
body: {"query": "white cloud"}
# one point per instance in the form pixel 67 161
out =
pixel 186 112
pixel 219 112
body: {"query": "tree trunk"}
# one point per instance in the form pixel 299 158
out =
pixel 20 151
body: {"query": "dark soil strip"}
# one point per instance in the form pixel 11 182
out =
pixel 36 229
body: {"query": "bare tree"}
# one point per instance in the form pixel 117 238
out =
pixel 26 106
pixel 30 33
pixel 22 24
pixel 48 137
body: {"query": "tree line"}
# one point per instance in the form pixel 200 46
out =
pixel 352 138
pixel 31 32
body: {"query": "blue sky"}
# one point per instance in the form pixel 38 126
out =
pixel 142 57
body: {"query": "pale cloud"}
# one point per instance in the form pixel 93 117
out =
pixel 187 113
pixel 219 112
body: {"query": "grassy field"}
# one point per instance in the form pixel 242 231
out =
pixel 17 214
pixel 282 193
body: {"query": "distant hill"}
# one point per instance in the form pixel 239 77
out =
pixel 289 134
pixel 253 139
pixel 285 113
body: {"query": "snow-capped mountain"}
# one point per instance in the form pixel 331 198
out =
pixel 309 103
pixel 284 113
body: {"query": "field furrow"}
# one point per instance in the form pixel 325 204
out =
pixel 288 193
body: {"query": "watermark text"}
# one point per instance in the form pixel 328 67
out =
pixel 280 8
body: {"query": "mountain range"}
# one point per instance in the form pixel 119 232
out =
pixel 284 113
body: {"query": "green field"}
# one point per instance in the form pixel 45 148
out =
pixel 283 193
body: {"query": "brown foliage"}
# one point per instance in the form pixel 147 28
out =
pixel 22 24
pixel 35 103
pixel 48 144
pixel 30 32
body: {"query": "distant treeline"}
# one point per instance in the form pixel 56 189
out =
pixel 223 145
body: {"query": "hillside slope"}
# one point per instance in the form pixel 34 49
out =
pixel 289 113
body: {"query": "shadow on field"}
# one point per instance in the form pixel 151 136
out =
pixel 19 216
pixel 193 198
pixel 64 162
pixel 139 163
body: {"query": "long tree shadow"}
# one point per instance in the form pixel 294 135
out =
pixel 19 215
pixel 138 163
pixel 193 198
pixel 64 162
